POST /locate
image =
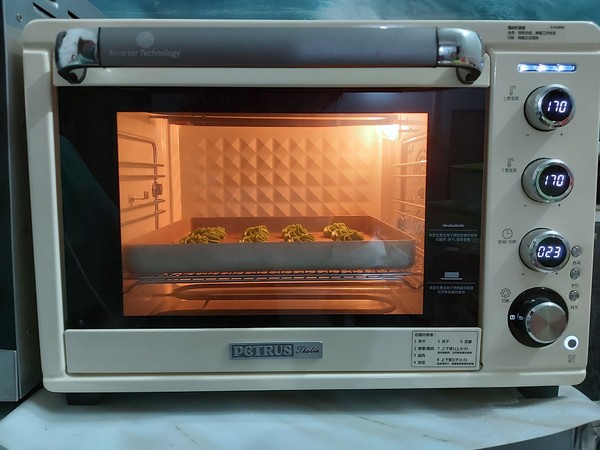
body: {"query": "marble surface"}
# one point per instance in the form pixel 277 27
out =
pixel 410 419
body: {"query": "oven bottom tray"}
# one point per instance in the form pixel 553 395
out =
pixel 280 298
pixel 160 251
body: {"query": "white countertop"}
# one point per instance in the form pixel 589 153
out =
pixel 409 419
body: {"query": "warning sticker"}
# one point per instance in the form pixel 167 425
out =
pixel 542 32
pixel 435 348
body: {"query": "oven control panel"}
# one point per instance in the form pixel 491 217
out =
pixel 539 211
pixel 539 316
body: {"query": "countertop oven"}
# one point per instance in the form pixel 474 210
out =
pixel 239 205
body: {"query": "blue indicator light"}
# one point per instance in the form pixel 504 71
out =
pixel 546 68
pixel 527 67
pixel 567 68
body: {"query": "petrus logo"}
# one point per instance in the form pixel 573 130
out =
pixel 274 350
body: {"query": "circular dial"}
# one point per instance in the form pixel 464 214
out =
pixel 538 317
pixel 547 180
pixel 544 250
pixel 549 107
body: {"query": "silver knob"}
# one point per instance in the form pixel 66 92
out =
pixel 550 107
pixel 538 317
pixel 544 250
pixel 545 322
pixel 547 180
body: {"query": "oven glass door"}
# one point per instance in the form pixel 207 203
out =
pixel 264 207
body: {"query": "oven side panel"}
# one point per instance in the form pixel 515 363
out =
pixel 43 172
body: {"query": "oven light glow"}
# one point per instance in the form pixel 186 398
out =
pixel 391 132
pixel 546 68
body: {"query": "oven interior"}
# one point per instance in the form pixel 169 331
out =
pixel 225 207
pixel 272 213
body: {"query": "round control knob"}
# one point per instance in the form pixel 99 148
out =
pixel 549 107
pixel 547 180
pixel 544 250
pixel 538 317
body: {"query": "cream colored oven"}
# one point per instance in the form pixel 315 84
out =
pixel 240 205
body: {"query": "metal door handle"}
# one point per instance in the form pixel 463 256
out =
pixel 372 45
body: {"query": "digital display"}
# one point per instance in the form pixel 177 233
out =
pixel 554 181
pixel 557 105
pixel 551 252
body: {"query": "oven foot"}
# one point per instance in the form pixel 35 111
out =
pixel 539 391
pixel 83 398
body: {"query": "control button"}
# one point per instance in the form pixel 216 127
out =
pixel 571 342
pixel 574 296
pixel 547 180
pixel 549 107
pixel 538 317
pixel 544 250
pixel 575 274
pixel 576 251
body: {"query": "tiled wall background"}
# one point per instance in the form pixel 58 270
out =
pixel 355 9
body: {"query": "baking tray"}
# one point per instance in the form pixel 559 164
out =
pixel 159 251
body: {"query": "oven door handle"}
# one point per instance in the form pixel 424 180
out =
pixel 370 45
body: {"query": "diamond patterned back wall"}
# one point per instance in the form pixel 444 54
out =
pixel 245 171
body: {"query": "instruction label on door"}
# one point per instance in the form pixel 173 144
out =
pixel 445 349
